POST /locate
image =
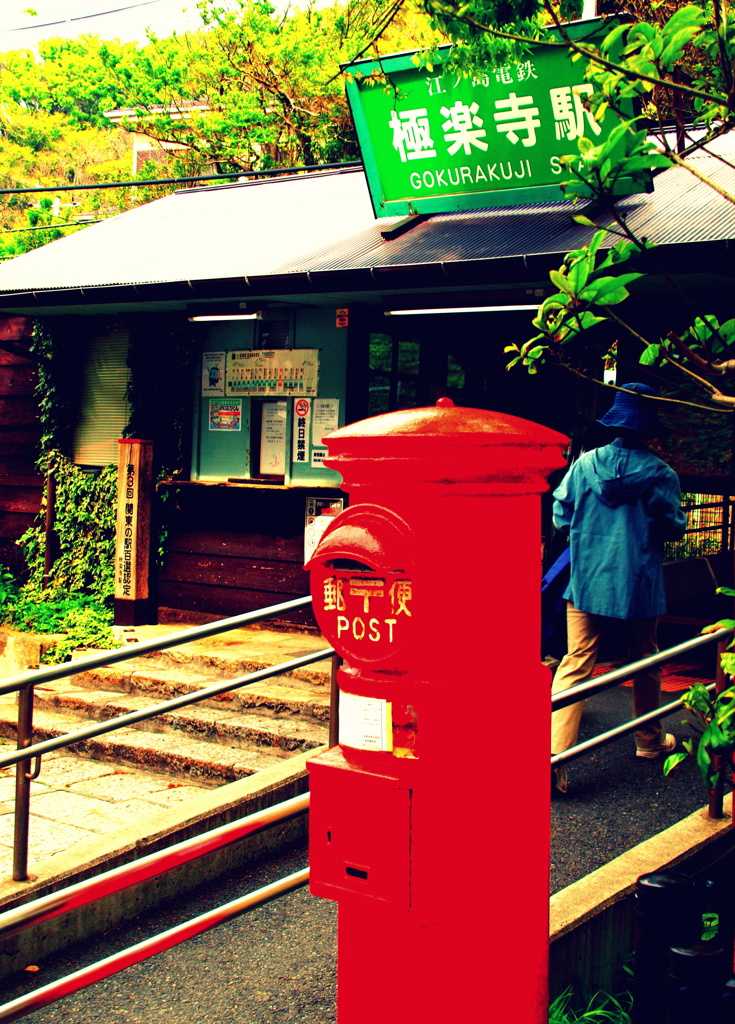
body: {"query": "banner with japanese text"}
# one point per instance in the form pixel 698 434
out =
pixel 434 141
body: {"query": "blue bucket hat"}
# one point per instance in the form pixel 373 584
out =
pixel 633 414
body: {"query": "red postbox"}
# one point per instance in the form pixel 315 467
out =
pixel 430 819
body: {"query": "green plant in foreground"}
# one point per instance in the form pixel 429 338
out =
pixel 601 1009
pixel 88 626
pixel 714 719
pixel 83 621
pixel 9 590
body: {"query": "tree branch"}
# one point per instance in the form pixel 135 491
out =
pixel 591 55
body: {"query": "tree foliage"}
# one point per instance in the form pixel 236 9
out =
pixel 261 88
pixel 675 60
pixel 253 89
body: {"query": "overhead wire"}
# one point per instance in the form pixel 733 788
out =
pixel 79 17
pixel 138 183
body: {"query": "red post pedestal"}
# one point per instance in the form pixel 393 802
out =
pixel 430 820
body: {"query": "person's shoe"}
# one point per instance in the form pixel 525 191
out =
pixel 559 780
pixel 667 744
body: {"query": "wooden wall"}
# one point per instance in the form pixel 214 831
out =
pixel 21 485
pixel 235 549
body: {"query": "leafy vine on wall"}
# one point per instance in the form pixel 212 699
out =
pixel 84 533
pixel 160 359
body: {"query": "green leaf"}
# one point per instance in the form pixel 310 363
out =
pixel 612 39
pixel 596 241
pixel 650 355
pixel 718 740
pixel 697 699
pixel 580 218
pixel 686 17
pixel 673 48
pixel 578 275
pixel 561 281
pixel 673 760
pixel 589 319
pixel 608 290
pixel 704 761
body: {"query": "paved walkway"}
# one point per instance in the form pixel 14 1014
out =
pixel 76 799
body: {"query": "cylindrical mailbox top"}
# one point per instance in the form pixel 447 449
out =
pixel 444 444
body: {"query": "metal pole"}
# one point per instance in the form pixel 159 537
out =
pixel 102 969
pixel 716 794
pixel 22 786
pixel 128 875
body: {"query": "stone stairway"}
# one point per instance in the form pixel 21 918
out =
pixel 219 740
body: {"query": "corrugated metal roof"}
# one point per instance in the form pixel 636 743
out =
pixel 324 222
pixel 680 209
pixel 203 234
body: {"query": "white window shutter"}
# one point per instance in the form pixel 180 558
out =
pixel 105 410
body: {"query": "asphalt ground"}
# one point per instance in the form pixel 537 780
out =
pixel 615 799
pixel 276 964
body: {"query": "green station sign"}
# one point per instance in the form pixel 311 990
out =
pixel 435 141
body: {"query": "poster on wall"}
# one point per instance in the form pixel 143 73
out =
pixel 325 419
pixel 319 514
pixel 225 414
pixel 301 429
pixel 273 439
pixel 273 373
pixel 213 373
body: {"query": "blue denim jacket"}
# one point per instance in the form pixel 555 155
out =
pixel 619 503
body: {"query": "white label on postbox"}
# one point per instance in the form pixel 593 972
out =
pixel 365 722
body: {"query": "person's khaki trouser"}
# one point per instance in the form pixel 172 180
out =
pixel 584 633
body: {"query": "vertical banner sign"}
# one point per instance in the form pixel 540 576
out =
pixel 434 141
pixel 301 427
pixel 133 533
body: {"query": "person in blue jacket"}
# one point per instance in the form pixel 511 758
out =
pixel 618 504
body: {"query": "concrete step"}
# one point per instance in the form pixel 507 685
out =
pixel 233 653
pixel 212 724
pixel 220 739
pixel 161 680
pixel 173 754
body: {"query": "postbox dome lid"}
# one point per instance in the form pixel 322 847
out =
pixel 443 445
pixel 459 425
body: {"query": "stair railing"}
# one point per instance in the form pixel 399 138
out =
pixel 582 691
pixel 23 683
pixel 117 879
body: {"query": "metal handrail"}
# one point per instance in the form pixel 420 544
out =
pixel 24 683
pixel 604 682
pixel 132 717
pixel 149 947
pixel 620 675
pixel 127 875
pixel 572 753
pixel 132 874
